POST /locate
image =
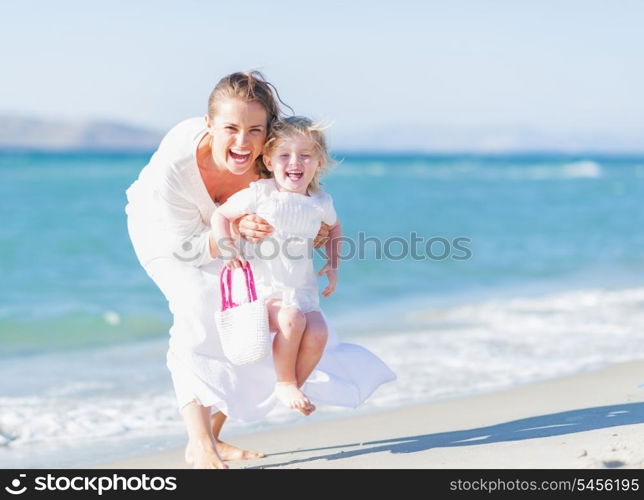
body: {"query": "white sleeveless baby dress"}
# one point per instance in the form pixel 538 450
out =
pixel 283 262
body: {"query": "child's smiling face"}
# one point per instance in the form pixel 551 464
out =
pixel 294 163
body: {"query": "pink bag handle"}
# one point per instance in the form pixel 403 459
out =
pixel 250 280
pixel 226 286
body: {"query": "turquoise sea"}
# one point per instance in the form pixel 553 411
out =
pixel 478 273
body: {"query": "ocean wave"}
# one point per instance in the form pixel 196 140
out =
pixel 580 169
pixel 125 390
pixel 64 326
pixel 500 343
pixel 43 419
pixel 574 170
pixel 95 394
pixel 478 170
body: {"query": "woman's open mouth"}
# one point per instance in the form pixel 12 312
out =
pixel 240 156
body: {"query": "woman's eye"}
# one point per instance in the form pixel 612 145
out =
pixel 231 129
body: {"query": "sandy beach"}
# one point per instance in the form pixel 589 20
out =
pixel 589 420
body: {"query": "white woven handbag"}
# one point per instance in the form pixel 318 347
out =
pixel 243 328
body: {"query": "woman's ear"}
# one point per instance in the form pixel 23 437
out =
pixel 208 123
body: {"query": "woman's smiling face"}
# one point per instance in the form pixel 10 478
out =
pixel 238 132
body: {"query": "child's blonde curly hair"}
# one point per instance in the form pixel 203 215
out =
pixel 285 128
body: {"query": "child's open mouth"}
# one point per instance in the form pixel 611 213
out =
pixel 239 156
pixel 294 175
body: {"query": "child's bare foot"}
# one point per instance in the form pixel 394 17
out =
pixel 310 409
pixel 199 456
pixel 292 397
pixel 230 452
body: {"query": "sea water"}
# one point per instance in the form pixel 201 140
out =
pixel 465 273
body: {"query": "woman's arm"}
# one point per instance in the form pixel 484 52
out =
pixel 322 236
pixel 333 245
pixel 252 228
pixel 333 249
pixel 186 234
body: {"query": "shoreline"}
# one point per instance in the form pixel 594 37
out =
pixel 587 420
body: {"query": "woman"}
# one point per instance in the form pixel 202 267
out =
pixel 200 164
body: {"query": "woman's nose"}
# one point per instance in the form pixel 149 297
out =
pixel 241 139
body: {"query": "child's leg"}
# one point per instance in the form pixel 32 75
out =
pixel 312 345
pixel 289 323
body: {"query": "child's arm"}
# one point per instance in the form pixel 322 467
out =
pixel 224 242
pixel 333 247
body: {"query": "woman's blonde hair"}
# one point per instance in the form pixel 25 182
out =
pixel 286 128
pixel 249 86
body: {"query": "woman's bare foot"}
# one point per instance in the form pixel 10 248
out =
pixel 230 452
pixel 292 397
pixel 200 456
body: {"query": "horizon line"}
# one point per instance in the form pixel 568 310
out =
pixel 363 152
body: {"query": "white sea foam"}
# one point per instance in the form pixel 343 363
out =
pixel 463 169
pixel 582 169
pixel 112 318
pixel 497 344
pixel 574 170
pixel 63 400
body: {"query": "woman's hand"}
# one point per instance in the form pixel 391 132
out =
pixel 322 237
pixel 252 228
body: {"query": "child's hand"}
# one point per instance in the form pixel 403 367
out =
pixel 234 259
pixel 235 263
pixel 332 276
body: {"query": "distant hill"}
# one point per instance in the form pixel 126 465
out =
pixel 23 133
pixel 33 134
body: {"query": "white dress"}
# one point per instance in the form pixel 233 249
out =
pixel 169 213
pixel 284 260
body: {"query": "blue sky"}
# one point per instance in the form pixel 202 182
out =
pixel 410 73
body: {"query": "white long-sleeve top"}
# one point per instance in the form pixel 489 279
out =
pixel 169 208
